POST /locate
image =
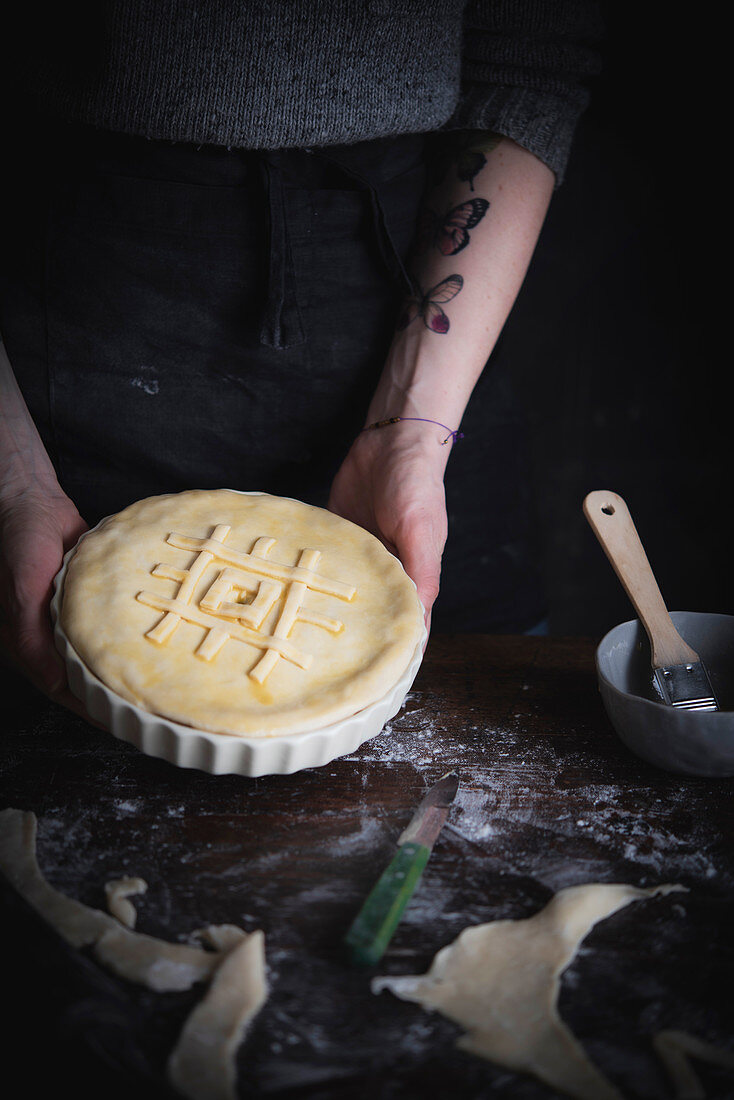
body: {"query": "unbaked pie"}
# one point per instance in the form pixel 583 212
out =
pixel 239 613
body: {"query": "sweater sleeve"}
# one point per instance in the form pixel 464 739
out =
pixel 526 68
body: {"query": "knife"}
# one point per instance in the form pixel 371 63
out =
pixel 380 915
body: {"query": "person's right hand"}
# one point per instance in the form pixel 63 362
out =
pixel 36 530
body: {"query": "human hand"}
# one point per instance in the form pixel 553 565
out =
pixel 36 530
pixel 391 483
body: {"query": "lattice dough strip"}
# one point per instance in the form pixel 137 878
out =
pixel 234 577
pixel 188 578
pixel 212 643
pixel 164 628
pixel 203 559
pixel 275 570
pixel 307 615
pixel 263 546
pixel 234 580
pixel 281 645
pixel 169 572
pixel 254 614
pixel 220 588
pixel 289 614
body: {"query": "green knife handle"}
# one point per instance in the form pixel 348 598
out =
pixel 380 915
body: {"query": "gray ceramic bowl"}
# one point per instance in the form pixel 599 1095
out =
pixel 690 742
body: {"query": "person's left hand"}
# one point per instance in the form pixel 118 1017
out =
pixel 391 483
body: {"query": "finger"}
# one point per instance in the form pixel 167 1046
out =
pixel 35 653
pixel 421 560
pixel 28 639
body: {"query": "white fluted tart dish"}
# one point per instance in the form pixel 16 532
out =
pixel 237 632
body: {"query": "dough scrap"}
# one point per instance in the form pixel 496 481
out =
pixel 501 982
pixel 676 1048
pixel 78 924
pixel 117 892
pixel 202 1065
pixel 157 964
pixel 161 966
pixel 222 937
pixel 240 614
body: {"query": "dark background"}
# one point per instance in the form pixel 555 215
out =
pixel 618 342
pixel 619 336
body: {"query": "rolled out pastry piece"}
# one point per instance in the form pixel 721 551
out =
pixel 203 1065
pixel 501 982
pixel 117 892
pixel 78 924
pixel 157 964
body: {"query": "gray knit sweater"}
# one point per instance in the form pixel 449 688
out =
pixel 300 73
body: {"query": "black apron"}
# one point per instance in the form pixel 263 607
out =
pixel 195 317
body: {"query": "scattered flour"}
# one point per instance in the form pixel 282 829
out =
pixel 147 385
pixel 499 801
pixel 128 805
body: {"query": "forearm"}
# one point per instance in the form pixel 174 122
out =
pixel 469 268
pixel 24 462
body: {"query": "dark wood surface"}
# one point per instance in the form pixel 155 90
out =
pixel 548 798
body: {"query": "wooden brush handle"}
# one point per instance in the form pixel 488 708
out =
pixel 613 526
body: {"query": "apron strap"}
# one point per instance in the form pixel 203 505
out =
pixel 388 249
pixel 282 326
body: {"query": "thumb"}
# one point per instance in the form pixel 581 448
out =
pixel 35 650
pixel 420 553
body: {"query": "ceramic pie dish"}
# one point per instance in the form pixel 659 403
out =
pixel 237 632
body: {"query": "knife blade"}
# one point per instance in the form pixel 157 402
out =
pixel 375 924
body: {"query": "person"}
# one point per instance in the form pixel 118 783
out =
pixel 273 247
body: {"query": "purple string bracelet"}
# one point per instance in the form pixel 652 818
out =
pixel 453 433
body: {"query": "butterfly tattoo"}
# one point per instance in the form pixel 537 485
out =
pixel 428 306
pixel 472 159
pixel 466 154
pixel 450 233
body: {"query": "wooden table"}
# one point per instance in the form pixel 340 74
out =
pixel 548 798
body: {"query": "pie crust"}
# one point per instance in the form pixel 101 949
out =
pixel 242 614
